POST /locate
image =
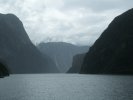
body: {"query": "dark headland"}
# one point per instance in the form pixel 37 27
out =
pixel 3 70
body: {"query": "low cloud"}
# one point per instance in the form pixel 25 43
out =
pixel 76 21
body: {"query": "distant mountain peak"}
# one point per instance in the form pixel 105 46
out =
pixel 62 53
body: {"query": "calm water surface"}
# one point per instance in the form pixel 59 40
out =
pixel 66 87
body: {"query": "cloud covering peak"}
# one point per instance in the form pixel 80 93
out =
pixel 75 21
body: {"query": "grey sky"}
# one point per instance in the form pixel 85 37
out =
pixel 74 21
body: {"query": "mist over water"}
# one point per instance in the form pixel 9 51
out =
pixel 66 87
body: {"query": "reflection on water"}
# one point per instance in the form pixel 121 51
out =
pixel 66 87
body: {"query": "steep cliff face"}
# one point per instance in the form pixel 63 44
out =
pixel 112 52
pixel 17 50
pixel 77 63
pixel 62 53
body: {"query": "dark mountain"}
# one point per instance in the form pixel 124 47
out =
pixel 3 70
pixel 16 49
pixel 62 53
pixel 77 63
pixel 112 53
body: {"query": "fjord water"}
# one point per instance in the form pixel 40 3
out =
pixel 66 87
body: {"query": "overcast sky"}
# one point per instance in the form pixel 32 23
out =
pixel 75 21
